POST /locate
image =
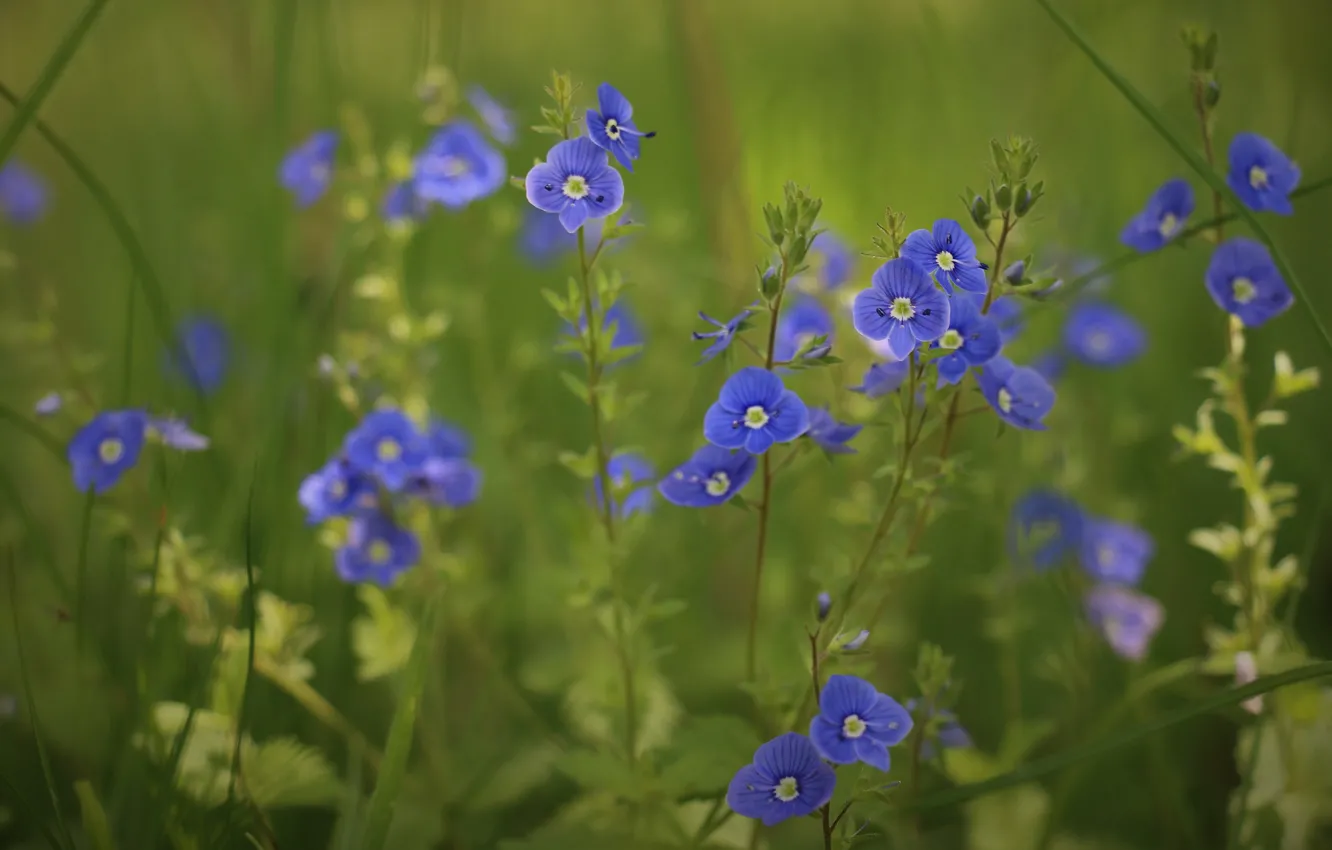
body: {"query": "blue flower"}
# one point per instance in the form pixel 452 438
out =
pixel 612 128
pixel 1043 528
pixel 625 470
pixel 1115 552
pixel 1105 336
pixel 902 306
pixel 1127 619
pixel 829 434
pixel 838 261
pixel 1261 174
pixel 1005 312
pixel 175 433
pixel 801 322
pixel 448 440
pixel 388 446
pixel 377 550
pixel 627 330
pixel 1050 364
pixel 49 404
pixel 755 410
pixel 722 337
pixel 972 339
pixel 201 355
pixel 401 203
pixel 543 238
pixel 1243 281
pixel 576 182
pixel 458 166
pixel 883 378
pixel 307 171
pixel 1162 219
pixel 23 195
pixel 855 642
pixel 1015 272
pixel 948 253
pixel 335 490
pixel 950 734
pixel 498 120
pixel 1019 395
pixel 104 449
pixel 451 481
pixel 787 779
pixel 857 723
pixel 709 478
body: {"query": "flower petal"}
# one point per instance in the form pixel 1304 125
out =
pixel 720 428
pixel 750 386
pixel 870 316
pixel 543 186
pixel 613 104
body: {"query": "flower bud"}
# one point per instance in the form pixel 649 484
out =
pixel 824 605
pixel 1013 274
pixel 980 211
pixel 856 642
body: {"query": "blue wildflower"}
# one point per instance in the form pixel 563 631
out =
pixel 1261 174
pixel 543 238
pixel 23 195
pixel 829 434
pixel 855 642
pixel 755 410
pixel 611 126
pixel 1115 552
pixel 1050 364
pixel 498 119
pixel 106 448
pixel 387 445
pixel 448 440
pixel 801 322
pixel 335 490
pixel 1018 394
pixel 1005 312
pixel 175 433
pixel 1105 336
pixel 1162 219
pixel 972 338
pixel 458 166
pixel 307 171
pixel 1015 272
pixel 709 478
pixel 947 252
pixel 201 355
pixel 575 182
pixel 376 550
pixel 626 470
pixel 902 306
pixel 837 260
pixel 787 779
pixel 1243 281
pixel 1043 528
pixel 49 404
pixel 857 723
pixel 451 481
pixel 722 337
pixel 402 204
pixel 883 378
pixel 1127 619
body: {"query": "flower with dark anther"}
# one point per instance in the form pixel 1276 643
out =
pixel 376 550
pixel 335 490
pixel 23 195
pixel 631 478
pixel 498 119
pixel 576 183
pixel 972 338
pixel 902 306
pixel 174 433
pixel 201 353
pixel 709 478
pixel 883 378
pixel 1104 336
pixel 1044 527
pixel 388 446
pixel 49 404
pixel 829 434
pixel 947 252
pixel 104 449
pixel 787 779
pixel 1115 552
pixel 402 204
pixel 1162 219
pixel 458 166
pixel 1261 174
pixel 857 723
pixel 1019 395
pixel 1127 619
pixel 950 734
pixel 307 170
pixel 1243 281
pixel 755 410
pixel 722 337
pixel 611 126
pixel 805 319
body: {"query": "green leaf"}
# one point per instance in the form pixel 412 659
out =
pixel 95 824
pixel 530 768
pixel 383 640
pixel 583 465
pixel 576 386
pixel 705 755
pixel 284 773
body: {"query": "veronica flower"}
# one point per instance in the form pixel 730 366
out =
pixel 755 410
pixel 1115 552
pixel 971 339
pixel 575 182
pixel 448 440
pixel 902 306
pixel 1162 219
pixel 837 260
pixel 106 448
pixel 1261 174
pixel 611 126
pixel 451 481
pixel 624 470
pixel 1043 528
pixel 799 323
pixel 1005 312
pixel 175 433
pixel 1127 619
pixel 308 169
pixel 947 252
pixel 857 723
pixel 829 434
pixel 23 195
pixel 335 490
pixel 543 238
pixel 402 204
pixel 49 404
pixel 787 779
pixel 498 120
pixel 1243 281
pixel 883 378
pixel 387 445
pixel 1019 395
pixel 376 551
pixel 201 355
pixel 711 477
pixel 458 166
pixel 722 337
pixel 950 734
pixel 1105 336
pixel 1050 364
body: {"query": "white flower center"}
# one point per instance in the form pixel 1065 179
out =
pixel 111 450
pixel 1169 224
pixel 379 552
pixel 1005 400
pixel 1105 555
pixel 388 450
pixel 1099 342
pixel 1258 177
pixel 613 130
pixel 945 260
pixel 787 789
pixel 853 726
pixel 718 484
pixel 952 339
pixel 575 187
pixel 1243 290
pixel 453 166
pixel 756 416
pixel 903 309
pixel 337 489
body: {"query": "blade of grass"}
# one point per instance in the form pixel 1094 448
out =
pixel 1153 117
pixel 251 595
pixel 17 796
pixel 95 824
pixel 27 426
pixel 81 571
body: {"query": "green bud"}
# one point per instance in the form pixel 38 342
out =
pixel 1023 201
pixel 770 284
pixel 1003 197
pixel 1202 46
pixel 1212 93
pixel 776 229
pixel 980 211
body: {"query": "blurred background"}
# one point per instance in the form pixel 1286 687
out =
pixel 183 110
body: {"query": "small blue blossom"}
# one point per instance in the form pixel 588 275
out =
pixel 388 446
pixel 902 306
pixel 1115 552
pixel 376 550
pixel 458 166
pixel 755 410
pixel 611 126
pixel 855 642
pixel 1044 528
pixel 1005 312
pixel 823 605
pixel 1261 174
pixel 722 337
pixel 49 404
pixel 709 478
pixel 787 779
pixel 801 322
pixel 626 470
pixel 175 433
pixel 201 355
pixel 23 195
pixel 454 482
pixel 947 252
pixel 857 723
pixel 335 490
pixel 543 238
pixel 307 171
pixel 829 434
pixel 1243 281
pixel 972 338
pixel 106 448
pixel 448 440
pixel 576 183
pixel 1127 619
pixel 883 378
pixel 498 119
pixel 837 260
pixel 1162 219
pixel 402 204
pixel 1104 336
pixel 1015 272
pixel 1019 395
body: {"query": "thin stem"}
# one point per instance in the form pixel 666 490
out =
pixel 827 827
pixel 320 708
pixel 917 744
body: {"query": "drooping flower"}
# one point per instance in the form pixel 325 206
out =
pixel 902 306
pixel 1162 219
pixel 837 261
pixel 829 434
pixel 722 337
pixel 402 204
pixel 801 322
pixel 106 448
pixel 307 170
pixel 1115 552
pixel 1104 336
pixel 883 378
pixel 787 779
pixel 335 490
pixel 1044 527
pixel 376 550
pixel 947 252
pixel 175 433
pixel 755 410
pixel 709 478
pixel 458 166
pixel 857 723
pixel 387 445
pixel 1019 395
pixel 1243 281
pixel 576 183
pixel 972 338
pixel 611 126
pixel 631 476
pixel 49 404
pixel 498 119
pixel 201 353
pixel 1261 174
pixel 1127 619
pixel 23 195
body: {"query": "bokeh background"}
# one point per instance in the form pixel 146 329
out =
pixel 183 110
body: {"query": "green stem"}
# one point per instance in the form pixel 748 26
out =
pixel 1235 832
